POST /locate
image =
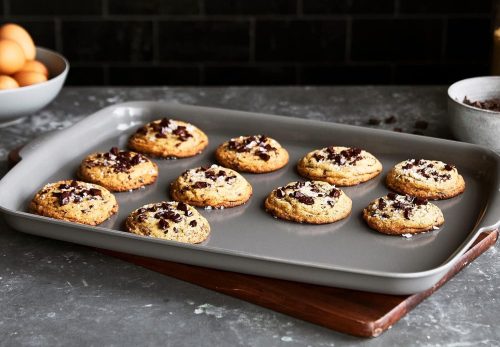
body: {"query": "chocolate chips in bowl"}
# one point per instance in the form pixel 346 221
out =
pixel 474 111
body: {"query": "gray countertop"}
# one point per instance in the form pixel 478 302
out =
pixel 56 293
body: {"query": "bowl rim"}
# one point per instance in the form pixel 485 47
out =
pixel 40 85
pixel 485 112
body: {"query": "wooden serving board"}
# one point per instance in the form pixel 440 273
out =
pixel 349 311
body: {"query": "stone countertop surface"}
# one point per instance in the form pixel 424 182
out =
pixel 56 293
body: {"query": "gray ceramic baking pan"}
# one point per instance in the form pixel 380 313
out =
pixel 246 239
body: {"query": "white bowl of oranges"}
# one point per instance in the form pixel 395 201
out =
pixel 30 76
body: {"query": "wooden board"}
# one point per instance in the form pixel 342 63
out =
pixel 349 311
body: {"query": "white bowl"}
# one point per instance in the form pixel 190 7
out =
pixel 471 124
pixel 21 102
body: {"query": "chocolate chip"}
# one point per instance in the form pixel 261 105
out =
pixel 264 156
pixel 398 205
pixel 114 151
pixel 390 120
pixel 142 130
pixel 407 213
pixel 165 122
pixel 280 193
pixel 419 201
pixel 385 215
pixel 74 184
pixel 307 200
pixel 318 157
pixel 95 192
pixel 64 198
pixel 449 167
pixel 193 223
pixel 381 204
pixel 421 124
pixel 141 218
pixel 373 121
pixel 160 136
pixel 391 196
pixel 335 193
pixel 489 104
pixel 63 186
pixel 163 224
pixel 200 185
pixel 407 166
pixel 184 208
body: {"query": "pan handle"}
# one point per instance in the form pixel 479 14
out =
pixel 17 154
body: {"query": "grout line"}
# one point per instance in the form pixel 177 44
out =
pixel 397 8
pixel 105 8
pixel 348 40
pixel 6 8
pixel 58 34
pixel 298 74
pixel 444 41
pixel 201 4
pixel 252 38
pixel 300 8
pixel 201 71
pixel 235 18
pixel 156 42
pixel 105 73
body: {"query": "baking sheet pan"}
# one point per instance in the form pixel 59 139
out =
pixel 247 239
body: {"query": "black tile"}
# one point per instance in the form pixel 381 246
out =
pixel 300 40
pixel 154 76
pixel 341 74
pixel 348 6
pixel 85 76
pixel 469 39
pixel 170 7
pixel 445 6
pixel 204 40
pixel 42 32
pixel 396 39
pixel 437 73
pixel 250 75
pixel 108 41
pixel 253 7
pixel 55 7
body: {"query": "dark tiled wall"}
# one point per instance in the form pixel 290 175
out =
pixel 259 42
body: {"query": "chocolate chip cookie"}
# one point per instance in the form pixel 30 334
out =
pixel 402 214
pixel 74 201
pixel 168 138
pixel 314 202
pixel 256 154
pixel 118 170
pixel 430 179
pixel 169 221
pixel 343 166
pixel 213 186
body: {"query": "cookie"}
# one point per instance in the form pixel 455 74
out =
pixel 168 138
pixel 256 154
pixel 396 214
pixel 343 166
pixel 74 201
pixel 314 202
pixel 213 186
pixel 118 170
pixel 169 221
pixel 429 179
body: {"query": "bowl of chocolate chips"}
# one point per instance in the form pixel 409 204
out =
pixel 474 110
